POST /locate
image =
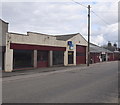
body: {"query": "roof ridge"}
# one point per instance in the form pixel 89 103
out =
pixel 39 33
pixel 67 34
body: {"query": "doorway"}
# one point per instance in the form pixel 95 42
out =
pixel 103 56
pixel 70 57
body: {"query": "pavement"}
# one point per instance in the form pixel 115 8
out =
pixel 97 83
pixel 38 70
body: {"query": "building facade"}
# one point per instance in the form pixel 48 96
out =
pixel 3 31
pixel 100 54
pixel 117 55
pixel 35 50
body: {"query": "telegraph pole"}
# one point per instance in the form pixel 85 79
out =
pixel 88 62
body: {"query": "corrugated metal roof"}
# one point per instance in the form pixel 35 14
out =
pixel 97 49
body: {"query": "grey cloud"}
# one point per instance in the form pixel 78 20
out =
pixel 57 18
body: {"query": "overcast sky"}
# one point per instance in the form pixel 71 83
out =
pixel 56 18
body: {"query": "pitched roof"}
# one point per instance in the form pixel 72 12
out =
pixel 65 37
pixel 58 37
pixel 97 49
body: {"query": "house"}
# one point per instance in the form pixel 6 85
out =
pixel 116 55
pixel 114 49
pixel 100 54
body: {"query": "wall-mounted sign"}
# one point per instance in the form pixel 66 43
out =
pixel 70 44
pixel 69 53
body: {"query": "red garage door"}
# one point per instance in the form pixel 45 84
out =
pixel 42 58
pixel 80 54
pixel 110 56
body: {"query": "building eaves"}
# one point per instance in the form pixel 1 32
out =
pixel 4 21
pixel 116 51
pixel 17 33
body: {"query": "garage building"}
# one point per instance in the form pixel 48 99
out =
pixel 36 50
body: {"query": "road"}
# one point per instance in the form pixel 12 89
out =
pixel 95 84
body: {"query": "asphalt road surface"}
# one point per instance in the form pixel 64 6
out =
pixel 95 84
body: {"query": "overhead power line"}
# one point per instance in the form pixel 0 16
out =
pixel 79 4
pixel 100 17
pixel 107 12
pixel 91 11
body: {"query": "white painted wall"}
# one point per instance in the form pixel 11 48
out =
pixel 3 31
pixel 35 58
pixel 8 55
pixel 77 40
pixel 39 39
pixel 36 39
